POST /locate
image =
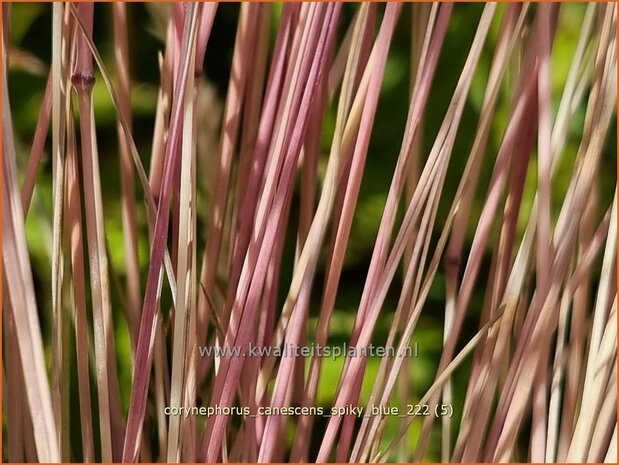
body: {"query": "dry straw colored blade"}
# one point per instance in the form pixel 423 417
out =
pixel 17 275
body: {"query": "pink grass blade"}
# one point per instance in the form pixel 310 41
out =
pixel 144 350
pixel 300 91
pixel 38 144
pixel 347 124
pixel 361 146
pixel 16 409
pixel 544 239
pixel 539 320
pixel 144 180
pixel 128 204
pixel 20 288
pixel 422 244
pixel 250 195
pixel 74 230
pixel 83 81
pixel 230 128
pixel 420 97
pixel 271 430
pixel 184 284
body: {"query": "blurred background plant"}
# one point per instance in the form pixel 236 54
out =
pixel 463 112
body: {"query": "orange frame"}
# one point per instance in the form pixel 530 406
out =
pixel 288 1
